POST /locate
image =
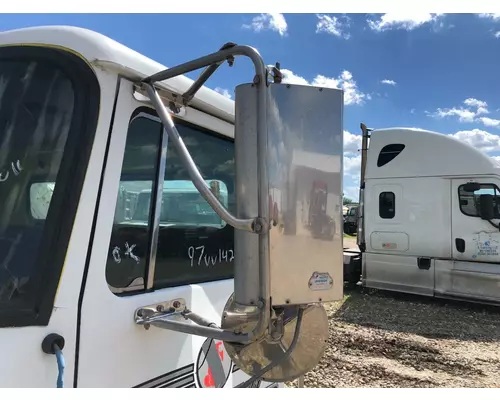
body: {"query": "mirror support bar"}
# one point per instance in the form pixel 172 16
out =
pixel 168 321
pixel 206 74
pixel 194 173
pixel 172 314
pixel 259 224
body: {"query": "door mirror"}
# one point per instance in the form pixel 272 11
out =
pixel 486 207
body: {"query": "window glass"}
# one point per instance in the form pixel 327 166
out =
pixel 37 103
pixel 387 205
pixel 130 237
pixel 389 153
pixel 197 247
pixel 194 243
pixel 470 200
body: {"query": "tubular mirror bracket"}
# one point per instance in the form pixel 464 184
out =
pixel 260 223
pixel 212 61
pixel 194 173
pixel 206 74
pixel 170 315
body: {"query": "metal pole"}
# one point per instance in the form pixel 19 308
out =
pixel 364 147
pixel 214 58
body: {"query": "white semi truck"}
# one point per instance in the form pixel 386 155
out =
pixel 428 221
pixel 96 292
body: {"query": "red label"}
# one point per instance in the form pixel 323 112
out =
pixel 209 379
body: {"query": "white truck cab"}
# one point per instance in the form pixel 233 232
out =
pixel 429 218
pixel 190 289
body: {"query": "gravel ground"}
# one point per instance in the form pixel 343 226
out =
pixel 379 339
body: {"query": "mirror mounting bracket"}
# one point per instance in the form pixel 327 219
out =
pixel 171 315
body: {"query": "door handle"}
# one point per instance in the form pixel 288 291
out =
pixel 460 245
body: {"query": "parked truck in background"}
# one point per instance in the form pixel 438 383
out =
pixel 351 220
pixel 428 220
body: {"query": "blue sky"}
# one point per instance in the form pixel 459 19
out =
pixel 431 71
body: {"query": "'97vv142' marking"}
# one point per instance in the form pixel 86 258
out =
pixel 198 254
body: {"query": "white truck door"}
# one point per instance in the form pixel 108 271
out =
pixel 475 271
pixel 194 259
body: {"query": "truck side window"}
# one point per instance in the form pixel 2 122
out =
pixel 387 205
pixel 128 255
pixel 469 201
pixel 194 244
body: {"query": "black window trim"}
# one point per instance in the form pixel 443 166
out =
pixel 379 204
pixel 487 184
pixel 150 113
pixel 70 179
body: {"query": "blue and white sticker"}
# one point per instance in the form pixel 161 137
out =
pixel 320 281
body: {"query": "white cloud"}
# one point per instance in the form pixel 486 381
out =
pixel 272 21
pixel 464 115
pixel 352 143
pixel 331 25
pixel 497 34
pixel 351 192
pixel 352 166
pixel 412 111
pixel 493 16
pixel 401 20
pixel 345 81
pixel 290 77
pixel 490 122
pixel 388 82
pixel 482 106
pixel 223 92
pixel 352 163
pixel 474 108
pixel 352 172
pixel 482 140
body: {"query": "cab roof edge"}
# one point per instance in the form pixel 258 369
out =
pixel 99 49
